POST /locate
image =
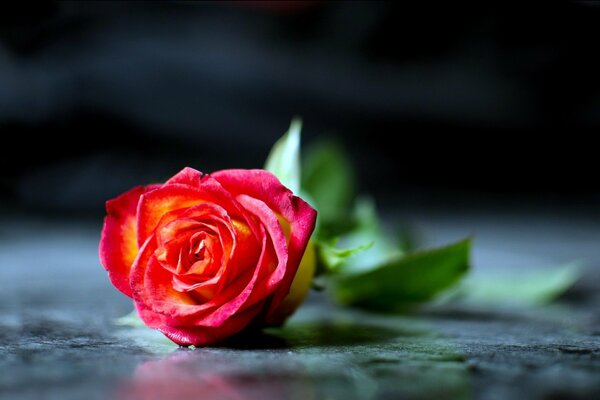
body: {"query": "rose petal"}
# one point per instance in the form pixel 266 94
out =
pixel 234 237
pixel 154 205
pixel 277 238
pixel 268 272
pixel 118 243
pixel 173 222
pixel 203 336
pixel 154 290
pixel 264 186
pixel 187 176
pixel 239 238
pixel 174 196
pixel 151 283
pixel 226 200
pixel 237 296
pixel 185 335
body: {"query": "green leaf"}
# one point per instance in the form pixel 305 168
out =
pixel 499 287
pixel 407 281
pixel 284 159
pixel 329 179
pixel 333 257
pixel 368 230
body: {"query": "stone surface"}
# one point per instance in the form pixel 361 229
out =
pixel 58 339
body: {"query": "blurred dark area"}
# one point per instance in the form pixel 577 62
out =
pixel 434 102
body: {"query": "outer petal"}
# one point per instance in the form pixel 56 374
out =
pixel 118 243
pixel 264 186
pixel 300 285
pixel 187 176
pixel 186 335
pixel 201 336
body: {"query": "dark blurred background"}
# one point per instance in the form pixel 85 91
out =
pixel 435 102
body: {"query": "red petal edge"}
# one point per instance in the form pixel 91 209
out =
pixel 118 242
pixel 265 186
pixel 187 176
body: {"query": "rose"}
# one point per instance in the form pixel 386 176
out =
pixel 205 256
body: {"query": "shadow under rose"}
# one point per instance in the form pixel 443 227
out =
pixel 313 327
pixel 312 334
pixel 337 333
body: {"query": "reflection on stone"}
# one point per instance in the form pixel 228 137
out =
pixel 194 374
pixel 320 355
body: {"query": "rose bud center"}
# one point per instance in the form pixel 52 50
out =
pixel 196 252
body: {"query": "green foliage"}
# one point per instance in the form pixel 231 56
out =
pixel 284 159
pixel 367 229
pixel 533 287
pixel 406 281
pixel 333 257
pixel 328 178
pixel 367 264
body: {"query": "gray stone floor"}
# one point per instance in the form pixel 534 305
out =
pixel 58 339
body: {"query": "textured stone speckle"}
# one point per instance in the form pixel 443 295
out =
pixel 58 339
